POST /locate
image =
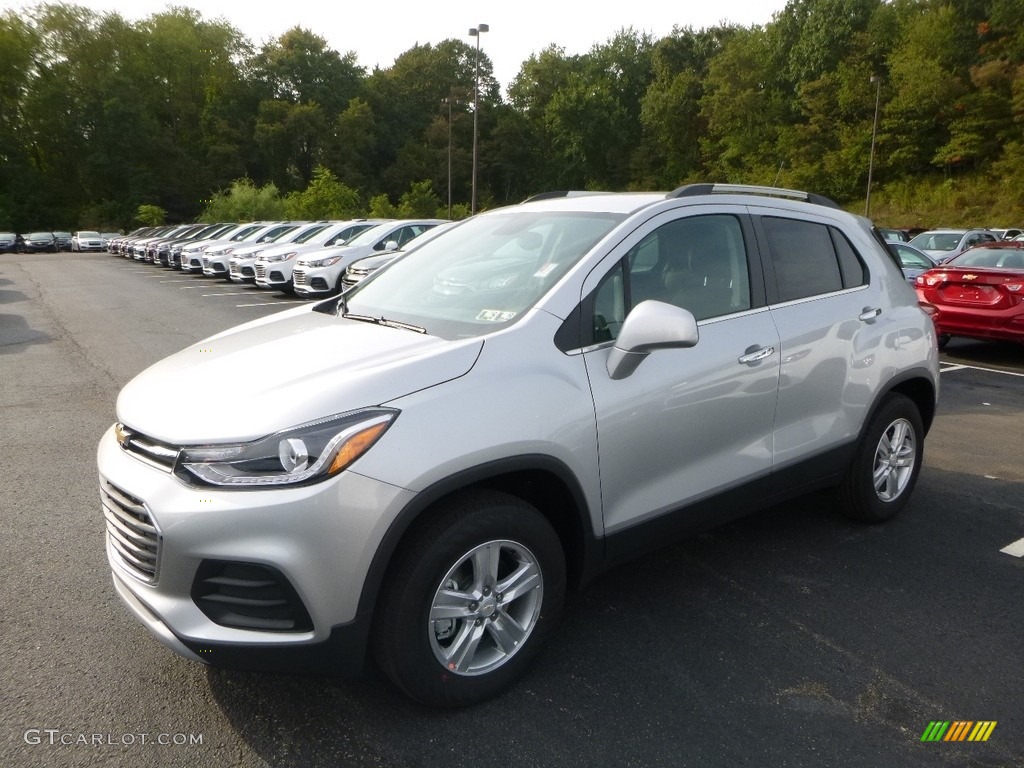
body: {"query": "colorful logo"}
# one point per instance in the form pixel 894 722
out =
pixel 958 730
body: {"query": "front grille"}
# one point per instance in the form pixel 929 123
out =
pixel 249 596
pixel 248 272
pixel 132 533
pixel 298 276
pixel 276 277
pixel 146 448
pixel 261 271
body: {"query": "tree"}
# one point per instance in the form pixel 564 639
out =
pixel 150 215
pixel 244 201
pixel 324 198
pixel 419 202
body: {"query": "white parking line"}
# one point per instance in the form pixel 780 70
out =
pixel 233 293
pixel 979 368
pixel 176 281
pixel 267 303
pixel 1016 549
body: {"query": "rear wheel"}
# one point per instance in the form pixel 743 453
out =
pixel 884 471
pixel 943 340
pixel 476 592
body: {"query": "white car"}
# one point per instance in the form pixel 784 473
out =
pixel 190 258
pixel 242 261
pixel 273 268
pixel 215 259
pixel 87 241
pixel 319 273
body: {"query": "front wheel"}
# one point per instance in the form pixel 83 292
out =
pixel 887 462
pixel 475 593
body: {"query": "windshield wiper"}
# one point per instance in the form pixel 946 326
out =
pixel 384 321
pixel 400 324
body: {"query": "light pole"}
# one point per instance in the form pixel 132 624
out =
pixel 476 31
pixel 449 100
pixel 874 134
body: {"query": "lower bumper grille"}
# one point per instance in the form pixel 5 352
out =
pixel 132 533
pixel 249 596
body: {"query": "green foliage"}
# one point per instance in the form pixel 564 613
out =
pixel 101 114
pixel 382 208
pixel 420 202
pixel 324 198
pixel 244 201
pixel 150 215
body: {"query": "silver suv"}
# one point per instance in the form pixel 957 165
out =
pixel 536 394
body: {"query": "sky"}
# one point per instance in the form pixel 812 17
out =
pixel 379 32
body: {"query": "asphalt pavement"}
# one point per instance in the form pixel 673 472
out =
pixel 789 638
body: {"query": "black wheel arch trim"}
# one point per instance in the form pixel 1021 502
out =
pixel 905 382
pixel 590 557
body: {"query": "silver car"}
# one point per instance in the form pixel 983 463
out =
pixel 319 273
pixel 536 394
pixel 943 244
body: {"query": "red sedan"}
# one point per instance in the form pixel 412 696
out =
pixel 978 294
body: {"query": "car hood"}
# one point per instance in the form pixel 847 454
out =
pixel 278 372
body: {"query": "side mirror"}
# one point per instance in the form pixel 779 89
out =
pixel 391 245
pixel 649 326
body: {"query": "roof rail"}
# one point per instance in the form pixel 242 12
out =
pixel 691 190
pixel 563 193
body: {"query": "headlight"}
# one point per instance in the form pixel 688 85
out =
pixel 303 454
pixel 330 260
pixel 280 257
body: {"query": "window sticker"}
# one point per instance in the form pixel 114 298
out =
pixel 544 271
pixel 495 315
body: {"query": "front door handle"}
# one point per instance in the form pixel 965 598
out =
pixel 870 313
pixel 757 355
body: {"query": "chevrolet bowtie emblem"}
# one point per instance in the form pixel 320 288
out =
pixel 121 434
pixel 970 277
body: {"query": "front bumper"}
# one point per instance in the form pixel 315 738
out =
pixel 315 281
pixel 320 538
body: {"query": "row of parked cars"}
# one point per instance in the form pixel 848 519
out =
pixel 970 280
pixel 308 258
pixel 53 242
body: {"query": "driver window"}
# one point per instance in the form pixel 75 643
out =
pixel 698 263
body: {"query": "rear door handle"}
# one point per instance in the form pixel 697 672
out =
pixel 870 313
pixel 757 355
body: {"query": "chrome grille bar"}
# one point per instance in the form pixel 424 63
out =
pixel 131 531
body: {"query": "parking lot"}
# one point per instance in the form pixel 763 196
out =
pixel 792 637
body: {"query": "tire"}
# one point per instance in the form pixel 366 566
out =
pixel 884 470
pixel 478 546
pixel 943 340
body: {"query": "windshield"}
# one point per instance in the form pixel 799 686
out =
pixel 937 241
pixel 309 234
pixel 481 275
pixel 348 233
pixel 370 236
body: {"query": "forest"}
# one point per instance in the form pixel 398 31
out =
pixel 105 122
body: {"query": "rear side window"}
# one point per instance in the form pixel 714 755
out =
pixel 811 259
